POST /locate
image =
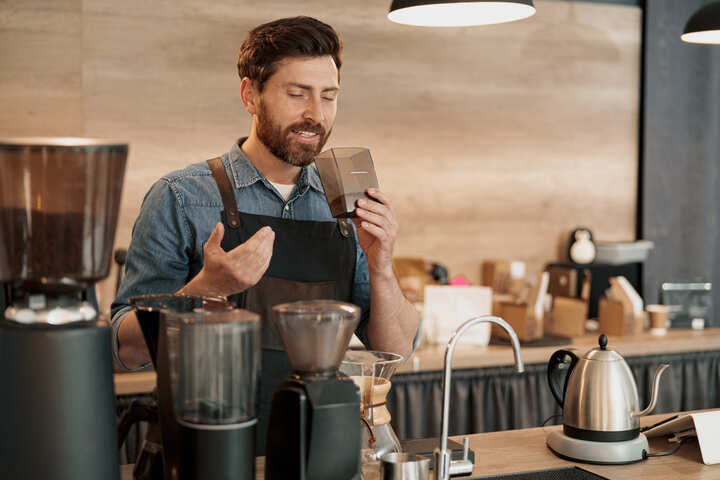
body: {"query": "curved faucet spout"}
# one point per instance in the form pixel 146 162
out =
pixel 443 465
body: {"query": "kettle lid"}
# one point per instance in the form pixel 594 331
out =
pixel 602 353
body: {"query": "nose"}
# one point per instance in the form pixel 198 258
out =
pixel 313 110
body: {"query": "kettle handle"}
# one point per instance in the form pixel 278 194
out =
pixel 557 363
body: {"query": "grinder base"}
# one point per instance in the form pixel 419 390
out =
pixel 218 451
pixel 60 406
pixel 314 431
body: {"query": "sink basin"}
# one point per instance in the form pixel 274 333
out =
pixel 566 473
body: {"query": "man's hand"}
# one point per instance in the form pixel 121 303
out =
pixel 377 230
pixel 227 273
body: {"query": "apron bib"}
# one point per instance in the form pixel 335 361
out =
pixel 311 260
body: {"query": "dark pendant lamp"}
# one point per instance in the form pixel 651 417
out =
pixel 704 25
pixel 453 13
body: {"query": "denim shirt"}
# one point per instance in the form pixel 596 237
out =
pixel 181 210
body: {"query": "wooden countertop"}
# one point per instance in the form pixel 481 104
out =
pixel 432 357
pixel 134 383
pixel 512 451
pixel 524 450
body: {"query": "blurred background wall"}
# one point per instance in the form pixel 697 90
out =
pixel 494 142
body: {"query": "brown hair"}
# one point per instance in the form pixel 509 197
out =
pixel 271 42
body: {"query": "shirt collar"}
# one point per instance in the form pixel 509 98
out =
pixel 246 173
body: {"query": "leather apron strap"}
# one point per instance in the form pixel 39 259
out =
pixel 226 191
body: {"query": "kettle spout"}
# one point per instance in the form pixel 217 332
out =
pixel 655 385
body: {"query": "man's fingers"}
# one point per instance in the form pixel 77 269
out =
pixel 216 236
pixel 374 218
pixel 378 214
pixel 379 196
pixel 264 251
pixel 262 237
pixel 375 207
pixel 374 230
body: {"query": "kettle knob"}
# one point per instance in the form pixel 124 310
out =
pixel 602 341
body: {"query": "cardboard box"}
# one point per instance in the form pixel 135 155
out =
pixel 563 281
pixel 615 319
pixel 525 318
pixel 413 275
pixel 568 317
pixel 526 326
pixel 499 300
pixel 496 275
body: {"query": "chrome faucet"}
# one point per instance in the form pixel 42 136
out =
pixel 444 466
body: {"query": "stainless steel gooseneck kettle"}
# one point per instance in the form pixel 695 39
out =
pixel 599 396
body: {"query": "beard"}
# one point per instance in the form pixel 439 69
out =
pixel 280 143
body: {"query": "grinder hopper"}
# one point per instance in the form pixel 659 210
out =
pixel 316 334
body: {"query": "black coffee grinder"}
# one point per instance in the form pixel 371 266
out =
pixel 313 432
pixel 59 200
pixel 207 358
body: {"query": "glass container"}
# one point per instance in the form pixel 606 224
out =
pixel 214 362
pixel 59 201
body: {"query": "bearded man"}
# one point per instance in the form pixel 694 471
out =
pixel 254 225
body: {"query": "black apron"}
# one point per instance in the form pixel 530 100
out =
pixel 310 260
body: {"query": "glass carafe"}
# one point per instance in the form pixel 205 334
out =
pixel 371 372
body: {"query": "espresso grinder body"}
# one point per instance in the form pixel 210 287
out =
pixel 59 199
pixel 206 355
pixel 313 432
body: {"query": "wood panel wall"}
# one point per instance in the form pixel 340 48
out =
pixel 494 142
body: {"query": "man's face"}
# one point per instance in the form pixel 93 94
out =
pixel 297 107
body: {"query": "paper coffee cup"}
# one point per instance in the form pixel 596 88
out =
pixel 658 316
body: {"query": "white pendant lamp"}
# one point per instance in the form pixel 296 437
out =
pixel 704 25
pixel 453 13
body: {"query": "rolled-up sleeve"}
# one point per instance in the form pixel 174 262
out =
pixel 159 253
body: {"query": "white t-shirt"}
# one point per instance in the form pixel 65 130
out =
pixel 284 189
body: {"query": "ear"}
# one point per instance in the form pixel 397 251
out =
pixel 249 95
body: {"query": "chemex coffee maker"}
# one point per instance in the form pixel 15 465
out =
pixel 207 358
pixel 371 371
pixel 601 412
pixel 59 200
pixel 314 432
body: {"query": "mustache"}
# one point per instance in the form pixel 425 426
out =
pixel 308 127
